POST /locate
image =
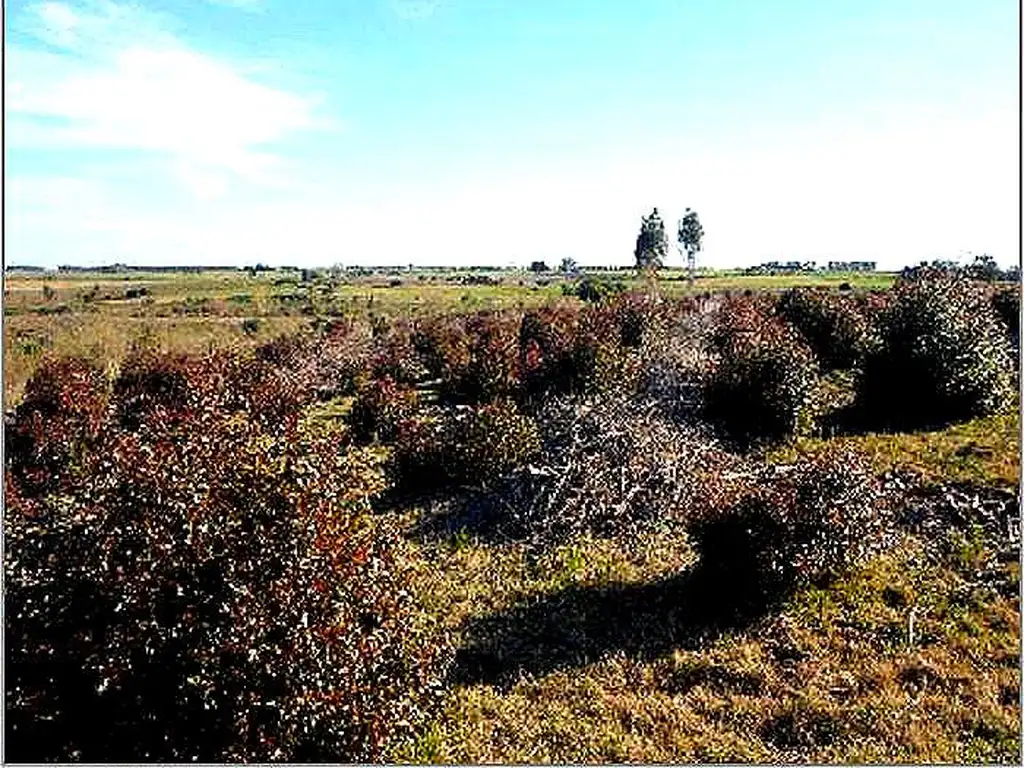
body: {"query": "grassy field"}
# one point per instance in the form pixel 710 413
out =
pixel 590 653
pixel 102 315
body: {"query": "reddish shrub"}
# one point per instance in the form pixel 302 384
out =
pixel 830 323
pixel 462 445
pixel 741 319
pixel 395 354
pixel 492 371
pixel 563 348
pixel 150 381
pixel 794 530
pixel 209 591
pixel 763 384
pixel 380 406
pixel 63 409
pixel 274 394
pixel 546 348
pixel 636 314
pixel 444 348
pixel 285 350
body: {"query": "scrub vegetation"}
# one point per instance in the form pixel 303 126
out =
pixel 493 516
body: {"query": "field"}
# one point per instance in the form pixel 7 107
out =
pixel 568 547
pixel 103 313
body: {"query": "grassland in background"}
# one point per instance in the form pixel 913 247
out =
pixel 102 314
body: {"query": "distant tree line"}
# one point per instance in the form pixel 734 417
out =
pixel 983 267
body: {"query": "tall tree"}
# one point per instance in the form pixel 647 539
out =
pixel 652 243
pixel 690 235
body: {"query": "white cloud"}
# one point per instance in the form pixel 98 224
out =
pixel 121 81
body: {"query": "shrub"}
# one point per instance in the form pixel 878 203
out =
pixel 741 318
pixel 546 348
pixel 63 410
pixel 344 356
pixel 272 383
pixel 789 532
pixel 636 315
pixel 462 445
pixel 283 351
pixel 211 592
pixel 829 322
pixel 475 358
pixel 599 358
pixel 491 440
pixel 1006 303
pixel 593 289
pixel 150 381
pixel 763 384
pixel 493 368
pixel 943 357
pixel 444 348
pixel 274 394
pixel 395 354
pixel 380 406
pixel 565 349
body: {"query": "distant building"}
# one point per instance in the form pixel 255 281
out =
pixel 779 268
pixel 852 266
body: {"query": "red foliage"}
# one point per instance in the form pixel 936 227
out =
pixel 63 409
pixel 208 590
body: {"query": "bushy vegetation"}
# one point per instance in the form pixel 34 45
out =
pixel 60 415
pixel 593 289
pixel 763 384
pixel 205 589
pixel 830 323
pixel 1006 303
pixel 942 357
pixel 204 561
pixel 807 525
pixel 466 445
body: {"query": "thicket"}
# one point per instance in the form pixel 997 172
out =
pixel 830 323
pixel 185 581
pixel 943 356
pixel 793 529
pixel 1006 303
pixel 192 571
pixel 766 376
pixel 464 445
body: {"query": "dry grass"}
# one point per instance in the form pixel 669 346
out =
pixel 832 677
pixel 106 339
pixel 985 451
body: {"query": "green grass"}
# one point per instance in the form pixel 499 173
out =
pixel 985 451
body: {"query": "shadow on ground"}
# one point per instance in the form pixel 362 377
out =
pixel 580 625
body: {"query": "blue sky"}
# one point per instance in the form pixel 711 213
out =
pixel 501 131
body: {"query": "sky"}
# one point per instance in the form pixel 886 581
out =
pixel 497 132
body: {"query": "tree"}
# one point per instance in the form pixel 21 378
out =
pixel 690 235
pixel 985 268
pixel 538 266
pixel 651 244
pixel 568 266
